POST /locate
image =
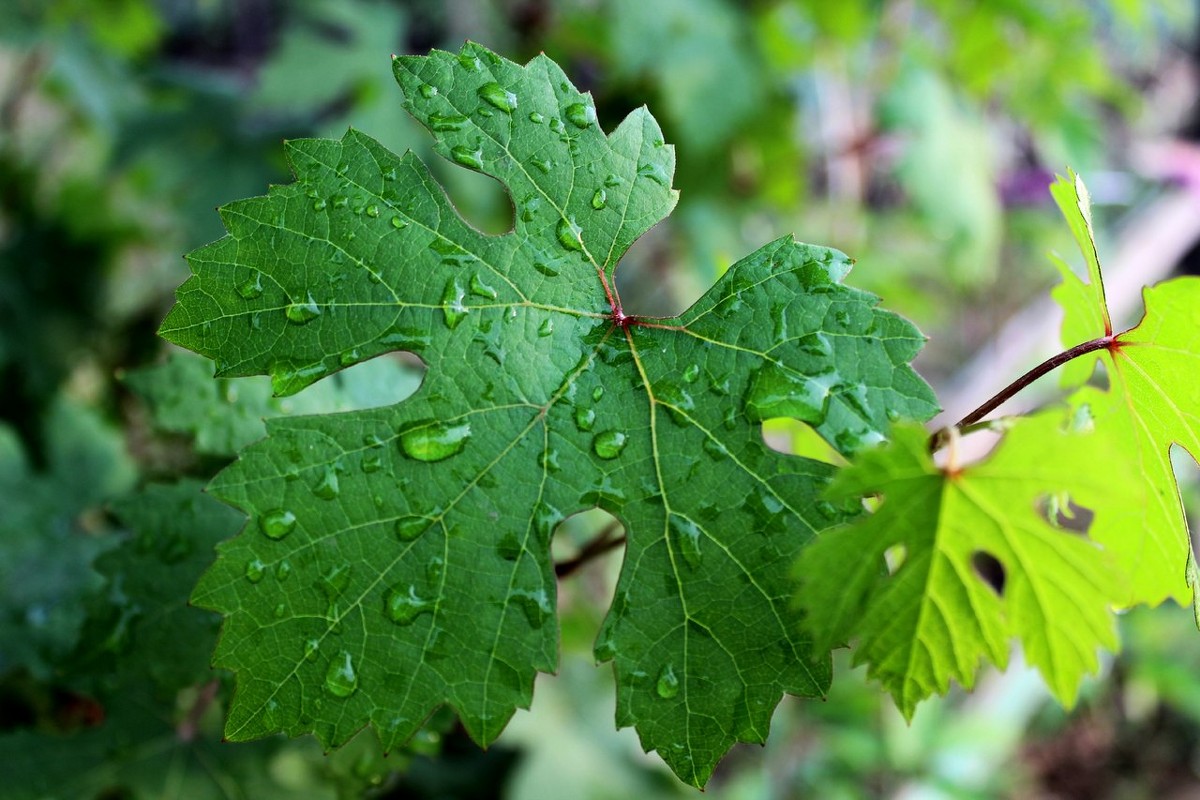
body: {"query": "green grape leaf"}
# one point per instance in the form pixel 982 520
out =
pixel 1152 402
pixel 419 533
pixel 173 530
pixel 223 416
pixel 934 616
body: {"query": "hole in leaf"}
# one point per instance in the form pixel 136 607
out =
pixel 894 557
pixel 649 283
pixel 1064 513
pixel 481 200
pixel 584 541
pixel 989 569
pixel 793 437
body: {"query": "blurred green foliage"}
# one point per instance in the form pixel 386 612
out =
pixel 917 136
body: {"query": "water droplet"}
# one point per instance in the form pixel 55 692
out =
pixel 447 122
pixel 372 463
pixel 893 414
pixel 776 392
pixel 667 685
pixel 435 569
pixel 453 309
pixel 435 441
pixel 340 201
pixel 372 210
pixel 399 223
pixel 306 311
pixel 546 328
pixel 826 509
pixel 509 547
pixel 405 338
pixel 498 96
pixel 597 393
pixel 612 180
pixel 715 449
pixel 340 678
pixel 411 526
pixel 815 344
pixel 585 418
pixel 536 118
pixel 327 487
pixel 581 115
pixel 403 606
pixel 677 401
pixel 557 126
pixel 318 204
pixel 428 90
pixel 691 373
pixel 685 536
pixel 842 318
pixel 535 604
pixel 469 61
pixel 548 460
pixel 255 569
pixel 481 289
pixel 547 268
pixel 277 524
pixel 283 570
pixel 655 172
pixel 389 174
pixel 311 646
pixel 604 650
pixel 252 288
pixel 570 234
pixel 468 157
pixel 599 199
pixel 609 444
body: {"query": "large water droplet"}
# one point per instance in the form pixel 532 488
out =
pixel 341 679
pixel 667 685
pixel 481 289
pixel 468 156
pixel 306 311
pixel 685 537
pixel 585 418
pixel 569 234
pixel 404 605
pixel 411 526
pixel 277 524
pixel 255 569
pixel 327 487
pixel 252 288
pixel 609 444
pixel 435 441
pixel 453 309
pixel 777 392
pixel 447 122
pixel 581 115
pixel 498 96
pixel 535 604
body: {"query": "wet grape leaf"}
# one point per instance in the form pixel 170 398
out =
pixel 416 536
pixel 1152 402
pixel 974 562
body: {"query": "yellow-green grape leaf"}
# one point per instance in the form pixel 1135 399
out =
pixel 934 616
pixel 1153 401
pixel 418 534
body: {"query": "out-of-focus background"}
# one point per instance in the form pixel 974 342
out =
pixel 919 136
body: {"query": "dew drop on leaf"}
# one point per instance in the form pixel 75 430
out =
pixel 668 684
pixel 311 646
pixel 599 199
pixel 597 393
pixel 341 679
pixel 435 441
pixel 778 392
pixel 372 210
pixel 453 309
pixel 685 536
pixel 581 115
pixel 327 487
pixel 691 373
pixel 467 156
pixel 569 234
pixel 498 96
pixel 546 328
pixel 435 569
pixel 481 289
pixel 447 122
pixel 283 570
pixel 409 527
pixel 535 604
pixel 399 223
pixel 536 118
pixel 252 288
pixel 306 311
pixel 277 524
pixel 609 444
pixel 255 569
pixel 585 418
pixel 403 605
pixel 428 90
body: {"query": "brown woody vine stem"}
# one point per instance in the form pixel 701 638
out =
pixel 1050 364
pixel 604 541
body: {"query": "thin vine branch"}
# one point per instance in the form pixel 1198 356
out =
pixel 998 399
pixel 604 541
